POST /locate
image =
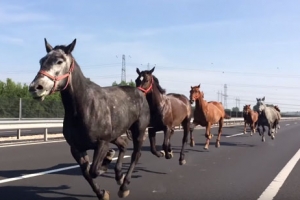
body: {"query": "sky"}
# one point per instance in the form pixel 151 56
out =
pixel 252 46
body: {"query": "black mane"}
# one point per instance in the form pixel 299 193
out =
pixel 160 89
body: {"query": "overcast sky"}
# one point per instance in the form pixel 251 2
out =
pixel 252 46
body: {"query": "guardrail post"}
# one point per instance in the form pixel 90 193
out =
pixel 46 134
pixel 19 134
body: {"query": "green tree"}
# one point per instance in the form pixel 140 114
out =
pixel 235 109
pixel 130 83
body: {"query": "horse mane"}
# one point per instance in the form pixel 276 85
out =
pixel 160 89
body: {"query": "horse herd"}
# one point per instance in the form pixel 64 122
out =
pixel 96 116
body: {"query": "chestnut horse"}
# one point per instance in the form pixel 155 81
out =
pixel 206 114
pixel 166 112
pixel 250 118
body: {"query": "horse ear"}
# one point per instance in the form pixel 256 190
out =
pixel 48 46
pixel 152 70
pixel 191 87
pixel 263 98
pixel 70 47
pixel 257 99
pixel 198 86
pixel 138 71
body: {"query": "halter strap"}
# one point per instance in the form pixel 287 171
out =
pixel 56 79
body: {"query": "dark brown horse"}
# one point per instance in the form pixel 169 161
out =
pixel 250 118
pixel 166 111
pixel 206 114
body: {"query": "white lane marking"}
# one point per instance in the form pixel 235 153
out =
pixel 287 124
pixel 272 190
pixel 45 172
pixel 228 136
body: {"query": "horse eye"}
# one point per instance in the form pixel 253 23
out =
pixel 59 62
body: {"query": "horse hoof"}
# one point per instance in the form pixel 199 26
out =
pixel 105 195
pixel 245 132
pixel 182 162
pixel 162 153
pixel 110 154
pixel 263 140
pixel 217 145
pixel 206 148
pixel 123 194
pixel 120 182
pixel 273 137
pixel 170 155
pixel 192 143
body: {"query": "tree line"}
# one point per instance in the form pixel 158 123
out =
pixel 13 94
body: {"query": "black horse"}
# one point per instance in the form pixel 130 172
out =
pixel 94 116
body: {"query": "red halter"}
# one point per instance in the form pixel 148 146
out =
pixel 147 90
pixel 58 78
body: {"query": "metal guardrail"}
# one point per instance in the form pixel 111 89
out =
pixel 58 123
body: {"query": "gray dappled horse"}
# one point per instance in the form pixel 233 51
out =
pixel 94 116
pixel 268 116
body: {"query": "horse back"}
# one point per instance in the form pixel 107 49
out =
pixel 181 107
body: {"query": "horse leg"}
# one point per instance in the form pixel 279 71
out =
pixel 192 126
pixel 186 128
pixel 252 128
pixel 121 143
pixel 245 124
pixel 107 160
pixel 152 139
pixel 166 143
pixel 83 160
pixel 98 157
pixel 137 139
pixel 170 151
pixel 207 135
pixel 221 122
pixel 263 139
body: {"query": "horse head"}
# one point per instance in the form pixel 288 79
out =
pixel 55 70
pixel 247 108
pixel 146 81
pixel 195 93
pixel 261 106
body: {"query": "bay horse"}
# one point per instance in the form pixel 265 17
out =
pixel 268 116
pixel 166 112
pixel 250 118
pixel 94 116
pixel 206 114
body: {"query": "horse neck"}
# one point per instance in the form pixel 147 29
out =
pixel 73 95
pixel 201 104
pixel 155 98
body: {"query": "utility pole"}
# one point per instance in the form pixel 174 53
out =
pixel 123 75
pixel 225 96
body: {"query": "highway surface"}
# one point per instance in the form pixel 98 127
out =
pixel 243 168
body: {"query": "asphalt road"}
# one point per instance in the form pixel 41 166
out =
pixel 243 168
pixel 10 133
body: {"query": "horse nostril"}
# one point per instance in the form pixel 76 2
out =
pixel 39 87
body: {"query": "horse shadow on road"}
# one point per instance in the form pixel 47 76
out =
pixel 39 193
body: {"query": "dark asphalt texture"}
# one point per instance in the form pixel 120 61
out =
pixel 241 169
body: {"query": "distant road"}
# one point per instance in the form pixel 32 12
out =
pixel 243 168
pixel 6 133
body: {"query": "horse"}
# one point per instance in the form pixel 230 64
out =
pixel 94 116
pixel 250 117
pixel 206 114
pixel 166 111
pixel 279 115
pixel 267 117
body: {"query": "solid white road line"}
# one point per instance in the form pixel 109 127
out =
pixel 228 136
pixel 29 143
pixel 272 190
pixel 45 172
